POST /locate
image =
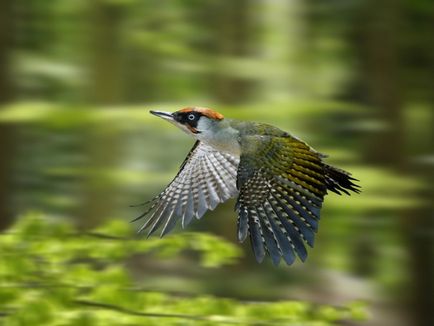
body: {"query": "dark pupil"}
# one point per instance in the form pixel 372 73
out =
pixel 191 117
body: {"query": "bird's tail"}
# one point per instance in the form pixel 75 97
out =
pixel 340 181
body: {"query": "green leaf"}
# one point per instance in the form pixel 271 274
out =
pixel 358 311
pixel 116 228
pixel 36 311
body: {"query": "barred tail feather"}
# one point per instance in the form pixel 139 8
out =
pixel 340 181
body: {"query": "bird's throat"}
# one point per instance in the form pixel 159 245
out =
pixel 224 140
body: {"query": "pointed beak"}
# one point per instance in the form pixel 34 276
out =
pixel 163 115
pixel 170 118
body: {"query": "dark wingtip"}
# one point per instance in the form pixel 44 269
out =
pixel 259 258
pixel 275 260
pixel 340 181
pixel 302 257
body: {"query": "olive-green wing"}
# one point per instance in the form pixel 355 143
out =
pixel 282 184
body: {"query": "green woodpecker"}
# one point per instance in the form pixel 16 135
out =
pixel 279 181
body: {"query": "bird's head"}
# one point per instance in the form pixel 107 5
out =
pixel 192 120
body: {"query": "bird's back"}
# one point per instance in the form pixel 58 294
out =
pixel 249 128
pixel 256 137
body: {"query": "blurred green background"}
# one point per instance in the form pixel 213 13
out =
pixel 353 78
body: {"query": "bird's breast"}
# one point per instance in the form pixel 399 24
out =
pixel 231 146
pixel 226 142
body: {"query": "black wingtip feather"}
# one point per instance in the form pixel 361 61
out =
pixel 340 181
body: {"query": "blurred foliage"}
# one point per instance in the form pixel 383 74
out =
pixel 51 274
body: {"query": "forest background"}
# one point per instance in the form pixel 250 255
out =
pixel 353 78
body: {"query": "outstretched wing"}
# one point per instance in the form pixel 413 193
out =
pixel 206 178
pixel 282 183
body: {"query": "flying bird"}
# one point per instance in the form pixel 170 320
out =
pixel 279 181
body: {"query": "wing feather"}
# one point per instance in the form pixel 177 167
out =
pixel 206 178
pixel 270 239
pixel 223 180
pixel 284 243
pixel 256 237
pixel 282 184
pixel 291 232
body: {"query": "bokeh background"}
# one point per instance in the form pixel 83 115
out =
pixel 354 78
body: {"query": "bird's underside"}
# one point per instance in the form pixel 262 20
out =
pixel 280 186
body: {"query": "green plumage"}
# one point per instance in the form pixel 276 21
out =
pixel 282 183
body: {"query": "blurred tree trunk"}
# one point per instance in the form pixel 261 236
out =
pixel 420 220
pixel 373 38
pixel 144 65
pixel 105 38
pixel 379 51
pixel 5 47
pixel 233 40
pixel 381 77
pixel 230 25
pixel 6 131
pixel 100 143
pixel 418 227
pixel 99 193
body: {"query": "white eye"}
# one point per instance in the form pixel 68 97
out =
pixel 191 117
